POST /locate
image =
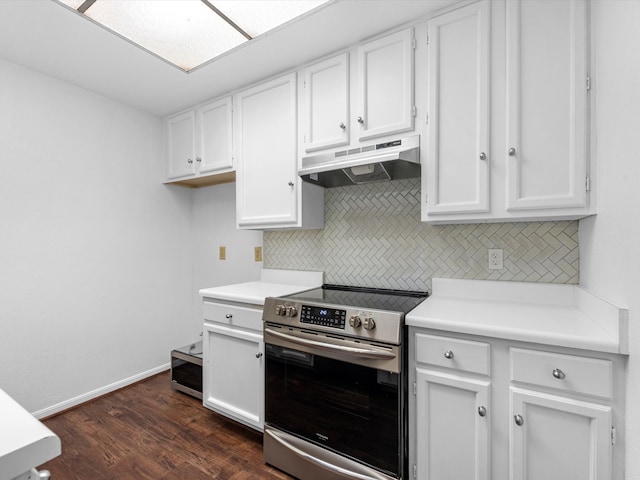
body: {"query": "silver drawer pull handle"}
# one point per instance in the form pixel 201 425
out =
pixel 519 420
pixel 512 152
pixel 448 354
pixel 228 315
pixel 259 354
pixel 360 120
pixel 342 126
pixel 559 374
pixel 482 411
pixel 483 156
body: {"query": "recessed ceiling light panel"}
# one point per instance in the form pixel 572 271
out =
pixel 189 33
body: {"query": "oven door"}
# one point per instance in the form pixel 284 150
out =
pixel 333 404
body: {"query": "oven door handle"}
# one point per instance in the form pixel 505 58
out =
pixel 367 474
pixel 361 352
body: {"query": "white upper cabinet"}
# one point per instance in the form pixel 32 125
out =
pixel 181 139
pixel 457 164
pixel 269 193
pixel 536 163
pixel 360 95
pixel 326 96
pixel 385 86
pixel 546 104
pixel 214 151
pixel 200 144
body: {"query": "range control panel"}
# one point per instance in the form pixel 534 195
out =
pixel 372 324
pixel 327 317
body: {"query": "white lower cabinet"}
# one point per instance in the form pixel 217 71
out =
pixel 556 437
pixel 453 433
pixel 486 408
pixel 233 366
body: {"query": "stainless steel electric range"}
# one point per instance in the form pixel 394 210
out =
pixel 335 383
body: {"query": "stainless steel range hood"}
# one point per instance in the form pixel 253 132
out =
pixel 391 160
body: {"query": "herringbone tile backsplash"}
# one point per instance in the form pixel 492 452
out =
pixel 373 237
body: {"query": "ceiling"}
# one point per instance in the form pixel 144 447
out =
pixel 47 37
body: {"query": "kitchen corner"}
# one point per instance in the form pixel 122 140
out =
pixel 272 283
pixel 542 365
pixel 233 347
pixel 547 314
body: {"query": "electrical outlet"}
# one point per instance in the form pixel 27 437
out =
pixel 257 253
pixel 496 259
pixel 223 253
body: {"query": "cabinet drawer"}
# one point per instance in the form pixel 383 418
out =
pixel 590 376
pixel 454 353
pixel 243 317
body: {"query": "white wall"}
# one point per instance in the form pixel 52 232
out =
pixel 610 258
pixel 95 257
pixel 214 219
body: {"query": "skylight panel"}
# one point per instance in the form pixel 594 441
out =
pixel 258 16
pixel 188 33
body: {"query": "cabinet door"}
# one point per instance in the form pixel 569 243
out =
pixel 457 166
pixel 385 86
pixel 181 141
pixel 558 438
pixel 452 427
pixel 546 147
pixel 326 88
pixel 233 380
pixel 267 185
pixel 214 136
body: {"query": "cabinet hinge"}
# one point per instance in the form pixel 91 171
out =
pixel 415 388
pixel 613 435
pixel 427 39
pixel 588 83
pixel 413 43
pixel 414 111
pixel 588 184
pixel 426 119
pixel 415 471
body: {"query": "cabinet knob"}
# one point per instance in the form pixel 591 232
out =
pixel 189 160
pixel 228 315
pixel 291 184
pixel 519 420
pixel 259 354
pixel 512 152
pixel 342 126
pixel 198 159
pixel 448 354
pixel 483 156
pixel 559 374
pixel 482 411
pixel 360 120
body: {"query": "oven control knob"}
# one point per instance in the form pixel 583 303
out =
pixel 281 310
pixel 369 324
pixel 355 321
pixel 291 311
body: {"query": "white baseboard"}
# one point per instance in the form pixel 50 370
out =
pixel 72 402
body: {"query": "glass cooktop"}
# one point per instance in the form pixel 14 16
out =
pixel 361 297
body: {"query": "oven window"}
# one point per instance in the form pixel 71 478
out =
pixel 350 409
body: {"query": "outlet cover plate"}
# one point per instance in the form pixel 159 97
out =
pixel 496 259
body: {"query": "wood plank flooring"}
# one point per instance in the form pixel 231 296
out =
pixel 150 431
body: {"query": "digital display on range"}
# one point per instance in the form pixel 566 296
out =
pixel 328 317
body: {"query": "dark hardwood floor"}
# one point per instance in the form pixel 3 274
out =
pixel 150 431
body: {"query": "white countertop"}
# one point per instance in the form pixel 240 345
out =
pixel 272 283
pixel 25 442
pixel 551 314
